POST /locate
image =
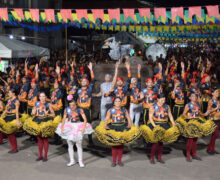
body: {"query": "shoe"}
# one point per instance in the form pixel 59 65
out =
pixel 113 164
pixel 39 159
pixel 161 161
pixel 188 159
pixel 152 161
pixel 71 164
pixel 210 152
pixel 3 142
pixel 197 158
pixel 12 151
pixel 216 152
pixel 121 164
pixel 45 159
pixel 81 164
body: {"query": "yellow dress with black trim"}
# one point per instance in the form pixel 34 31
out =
pixel 163 131
pixel 8 122
pixel 118 132
pixel 215 116
pixel 43 126
pixel 195 127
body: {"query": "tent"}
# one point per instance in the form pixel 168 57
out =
pixel 12 48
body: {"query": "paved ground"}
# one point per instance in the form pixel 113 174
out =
pixel 98 160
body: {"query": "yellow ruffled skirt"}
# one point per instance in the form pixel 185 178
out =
pixel 8 123
pixel 41 126
pixel 195 128
pixel 113 137
pixel 163 132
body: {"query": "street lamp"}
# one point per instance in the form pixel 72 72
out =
pixel 11 36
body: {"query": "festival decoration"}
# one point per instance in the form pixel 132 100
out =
pixel 141 16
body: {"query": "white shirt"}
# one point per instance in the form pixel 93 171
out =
pixel 105 88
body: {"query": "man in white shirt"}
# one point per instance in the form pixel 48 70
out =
pixel 105 87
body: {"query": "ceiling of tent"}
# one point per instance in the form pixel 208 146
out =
pixel 12 48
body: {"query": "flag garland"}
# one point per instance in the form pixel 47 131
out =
pixel 141 16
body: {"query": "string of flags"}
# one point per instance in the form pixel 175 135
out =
pixel 195 15
pixel 178 23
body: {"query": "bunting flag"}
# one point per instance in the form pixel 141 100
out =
pixel 114 14
pixel 106 18
pixel 187 20
pixel 192 32
pixel 128 13
pixel 213 11
pixel 210 19
pixel 91 18
pixel 4 14
pixel 144 12
pixel 74 17
pixel 19 13
pixel 35 14
pixel 59 17
pixel 160 12
pixel 43 17
pixel 124 17
pixel 176 12
pixel 81 13
pixel 49 15
pixel 27 16
pixel 195 11
pixel 98 13
pixel 66 14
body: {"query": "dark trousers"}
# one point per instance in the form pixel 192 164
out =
pixel 146 115
pixel 87 112
pixel 29 109
pixel 23 107
pixel 88 115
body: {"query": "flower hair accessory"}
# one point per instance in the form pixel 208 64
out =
pixel 70 97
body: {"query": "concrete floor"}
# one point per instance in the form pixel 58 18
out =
pixel 98 160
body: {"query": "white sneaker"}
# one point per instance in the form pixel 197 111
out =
pixel 70 164
pixel 81 164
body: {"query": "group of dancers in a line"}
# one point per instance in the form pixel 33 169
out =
pixel 173 103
